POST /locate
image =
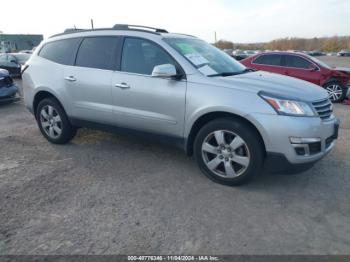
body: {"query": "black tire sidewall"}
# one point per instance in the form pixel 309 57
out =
pixel 250 137
pixel 344 89
pixel 68 131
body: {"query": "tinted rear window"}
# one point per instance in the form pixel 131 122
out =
pixel 297 62
pixel 98 52
pixel 61 51
pixel 274 60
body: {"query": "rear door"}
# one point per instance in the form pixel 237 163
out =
pixel 88 82
pixel 269 62
pixel 299 67
pixel 141 101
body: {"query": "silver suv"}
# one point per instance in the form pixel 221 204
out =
pixel 177 88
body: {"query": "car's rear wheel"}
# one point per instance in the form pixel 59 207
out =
pixel 336 91
pixel 229 151
pixel 53 122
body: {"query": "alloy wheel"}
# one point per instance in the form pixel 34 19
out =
pixel 335 92
pixel 225 153
pixel 51 121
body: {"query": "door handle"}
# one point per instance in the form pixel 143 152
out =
pixel 122 85
pixel 70 78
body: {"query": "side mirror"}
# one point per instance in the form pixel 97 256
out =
pixel 13 61
pixel 164 71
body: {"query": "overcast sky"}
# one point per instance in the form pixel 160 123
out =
pixel 235 20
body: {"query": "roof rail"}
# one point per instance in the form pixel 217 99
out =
pixel 131 27
pixel 140 28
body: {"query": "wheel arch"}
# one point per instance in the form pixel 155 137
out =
pixel 331 79
pixel 206 118
pixel 39 96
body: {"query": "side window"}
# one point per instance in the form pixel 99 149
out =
pixel 61 51
pixel 98 52
pixel 297 62
pixel 273 60
pixel 141 56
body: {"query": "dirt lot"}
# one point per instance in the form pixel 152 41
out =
pixel 105 194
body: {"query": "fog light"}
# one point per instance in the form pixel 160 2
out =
pixel 300 151
pixel 304 140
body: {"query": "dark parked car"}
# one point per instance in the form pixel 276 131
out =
pixel 239 54
pixel 13 62
pixel 316 53
pixel 344 53
pixel 8 90
pixel 305 67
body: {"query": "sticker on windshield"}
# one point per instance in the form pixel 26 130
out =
pixel 207 70
pixel 186 48
pixel 197 59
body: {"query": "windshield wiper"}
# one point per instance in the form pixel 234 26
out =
pixel 233 73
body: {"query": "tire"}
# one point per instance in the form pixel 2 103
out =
pixel 51 118
pixel 250 154
pixel 337 93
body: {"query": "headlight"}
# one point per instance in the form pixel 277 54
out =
pixel 288 107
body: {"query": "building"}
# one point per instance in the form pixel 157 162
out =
pixel 14 43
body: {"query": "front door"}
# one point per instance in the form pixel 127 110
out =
pixel 301 68
pixel 141 101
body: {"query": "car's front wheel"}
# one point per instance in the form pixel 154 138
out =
pixel 53 122
pixel 229 151
pixel 336 91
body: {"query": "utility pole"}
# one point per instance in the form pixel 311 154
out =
pixel 92 24
pixel 215 39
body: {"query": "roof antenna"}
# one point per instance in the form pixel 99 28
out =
pixel 92 24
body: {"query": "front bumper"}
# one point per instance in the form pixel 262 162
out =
pixel 279 131
pixel 8 94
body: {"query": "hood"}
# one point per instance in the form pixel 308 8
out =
pixel 4 72
pixel 281 85
pixel 342 69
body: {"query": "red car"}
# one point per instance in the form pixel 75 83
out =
pixel 305 67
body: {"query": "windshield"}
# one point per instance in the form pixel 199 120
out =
pixel 317 61
pixel 206 58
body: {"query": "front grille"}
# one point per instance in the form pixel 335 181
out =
pixel 5 81
pixel 324 108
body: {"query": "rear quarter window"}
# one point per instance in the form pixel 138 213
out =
pixel 61 51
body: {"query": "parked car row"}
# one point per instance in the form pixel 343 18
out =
pixel 239 54
pixel 242 54
pixel 344 52
pixel 305 67
pixel 13 62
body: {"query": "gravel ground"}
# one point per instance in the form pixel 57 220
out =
pixel 111 194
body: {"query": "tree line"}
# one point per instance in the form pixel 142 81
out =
pixel 326 44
